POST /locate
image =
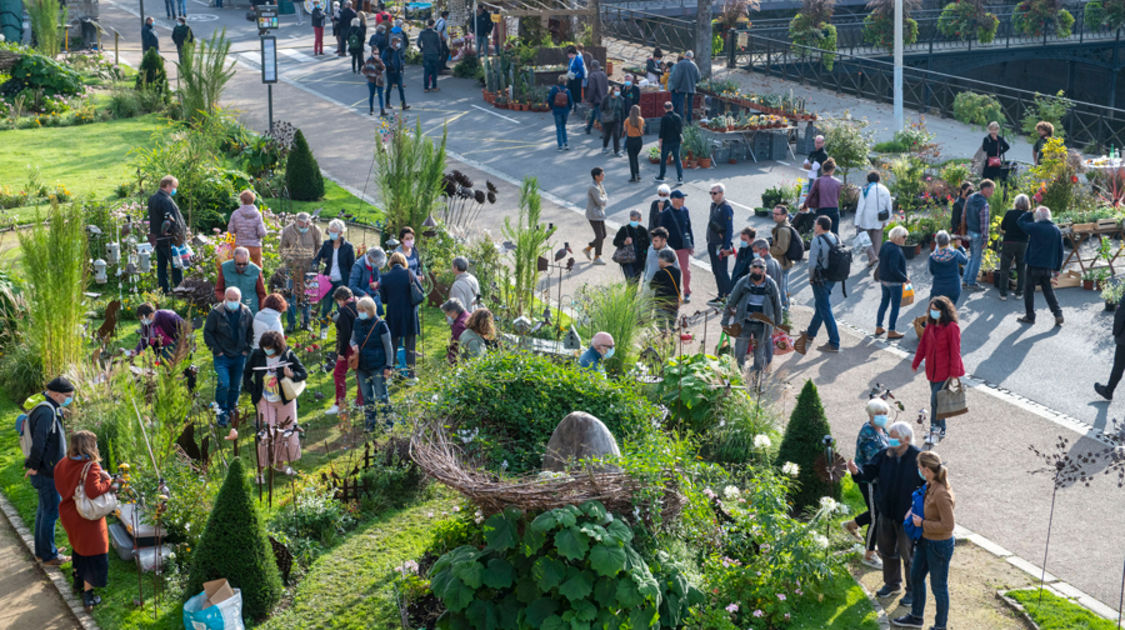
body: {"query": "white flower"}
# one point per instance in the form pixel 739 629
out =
pixel 858 549
pixel 791 469
pixel 828 504
pixel 730 492
pixel 762 441
pixel 820 540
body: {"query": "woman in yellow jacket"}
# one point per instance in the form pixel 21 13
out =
pixel 935 550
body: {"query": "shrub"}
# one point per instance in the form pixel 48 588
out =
pixel 468 68
pixel 302 173
pixel 1093 16
pixel 849 141
pixel 45 19
pixel 234 546
pixel 977 109
pixel 954 174
pixel 151 75
pixel 409 171
pixel 1047 108
pixel 731 442
pixel 695 390
pixel 620 309
pixel 803 444
pixel 908 182
pixel 37 72
pixel 806 34
pixel 966 20
pixel 878 30
pixel 203 74
pixel 505 406
pixel 1034 17
pixel 393 480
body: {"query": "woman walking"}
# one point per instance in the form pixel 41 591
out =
pixel 633 235
pixel 339 258
pixel 945 268
pixel 267 366
pixel 940 348
pixel 247 226
pixel 934 551
pixel 613 110
pixel 371 339
pixel 596 201
pixel 872 438
pixel 89 539
pixel 872 213
pixel 634 141
pixel 402 316
pixel 892 276
pixel 993 147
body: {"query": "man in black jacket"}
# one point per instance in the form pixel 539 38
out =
pixel 182 35
pixel 228 333
pixel 1106 391
pixel 670 137
pixel 482 28
pixel 344 24
pixel 148 36
pixel 895 469
pixel 162 214
pixel 48 447
pixel 318 28
pixel 345 322
pixel 429 42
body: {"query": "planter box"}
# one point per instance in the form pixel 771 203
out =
pixel 1067 279
pixel 779 145
pixel 1108 224
pixel 1083 227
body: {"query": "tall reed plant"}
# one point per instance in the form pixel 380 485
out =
pixel 532 241
pixel 621 310
pixel 54 261
pixel 410 171
pixel 204 72
pixel 45 16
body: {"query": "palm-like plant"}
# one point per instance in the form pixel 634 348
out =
pixel 621 310
pixel 45 20
pixel 531 242
pixel 204 72
pixel 410 172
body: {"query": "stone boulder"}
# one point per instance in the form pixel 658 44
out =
pixel 579 436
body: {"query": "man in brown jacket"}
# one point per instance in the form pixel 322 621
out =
pixel 300 241
pixel 779 250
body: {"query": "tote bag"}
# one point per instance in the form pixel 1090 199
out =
pixel 951 399
pixel 92 509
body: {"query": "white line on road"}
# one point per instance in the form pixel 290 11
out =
pixel 202 3
pixel 293 54
pixel 489 111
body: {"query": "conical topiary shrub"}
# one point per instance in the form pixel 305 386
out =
pixel 302 173
pixel 234 546
pixel 803 444
pixel 151 75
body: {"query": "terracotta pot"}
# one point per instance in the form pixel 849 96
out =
pixel 732 161
pixel 705 162
pixel 1088 285
pixel 654 160
pixel 689 163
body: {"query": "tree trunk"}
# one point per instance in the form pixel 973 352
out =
pixel 703 37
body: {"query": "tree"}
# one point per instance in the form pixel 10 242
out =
pixel 410 173
pixel 811 32
pixel 204 73
pixel 803 444
pixel 151 75
pixel 234 546
pixel 302 173
pixel 879 25
pixel 848 143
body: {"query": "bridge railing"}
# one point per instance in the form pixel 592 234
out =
pixel 849 33
pixel 648 29
pixel 1088 126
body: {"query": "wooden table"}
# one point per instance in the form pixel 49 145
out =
pixel 1083 232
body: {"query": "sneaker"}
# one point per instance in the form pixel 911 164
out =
pixel 879 330
pixel 382 113
pixel 405 107
pixel 658 179
pixel 1103 391
pixel 586 250
pixel 680 182
pixel 975 288
pixel 1003 297
pixel 716 302
pixel 894 334
pixel 802 344
pixel 828 347
pixel 687 298
pixel 941 434
pixel 873 562
pixel 887 591
pixel 566 147
pixel 289 472
pixel 852 529
pixel 907 601
pixel 260 479
pixel 333 410
pixel 1059 320
pixel 616 154
pixel 371 112
pixel 559 148
pixel 598 261
pixel 931 438
pixel 605 151
pixel 1025 320
pixel 57 561
pixel 90 599
pixel 908 621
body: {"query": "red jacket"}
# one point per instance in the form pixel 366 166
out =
pixel 88 538
pixel 941 349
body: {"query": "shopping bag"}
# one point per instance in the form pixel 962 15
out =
pixel 782 342
pixel 225 615
pixel 907 294
pixel 323 286
pixel 920 325
pixel 724 346
pixel 861 242
pixel 951 399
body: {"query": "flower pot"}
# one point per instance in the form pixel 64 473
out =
pixel 910 250
pixel 654 160
pixel 1088 284
pixel 689 163
pixel 1110 306
pixel 988 277
pixel 762 212
pixel 732 161
pixel 705 162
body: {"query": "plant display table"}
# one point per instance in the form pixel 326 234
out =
pixel 1103 230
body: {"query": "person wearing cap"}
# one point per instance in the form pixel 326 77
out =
pixel 670 137
pixel 300 241
pixel 755 297
pixel 677 221
pixel 761 249
pixel 365 274
pixel 600 350
pixel 48 448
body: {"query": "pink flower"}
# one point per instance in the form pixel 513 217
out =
pixel 759 613
pixel 781 597
pixel 732 608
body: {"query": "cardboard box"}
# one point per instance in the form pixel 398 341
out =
pixel 218 591
pixel 1067 279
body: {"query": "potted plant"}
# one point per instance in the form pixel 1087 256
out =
pixel 654 155
pixel 1089 277
pixel 1112 293
pixel 762 212
pixel 1102 275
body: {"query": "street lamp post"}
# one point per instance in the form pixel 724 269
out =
pixel 898 66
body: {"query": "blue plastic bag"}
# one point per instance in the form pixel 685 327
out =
pixel 226 615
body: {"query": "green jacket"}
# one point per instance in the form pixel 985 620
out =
pixel 247 282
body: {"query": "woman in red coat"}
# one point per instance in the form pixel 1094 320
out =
pixel 940 348
pixel 88 538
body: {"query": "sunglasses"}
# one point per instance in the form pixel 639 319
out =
pixel 716 192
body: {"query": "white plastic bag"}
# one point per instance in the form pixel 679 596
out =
pixel 226 615
pixel 862 242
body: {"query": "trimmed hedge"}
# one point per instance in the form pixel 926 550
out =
pixel 302 173
pixel 803 444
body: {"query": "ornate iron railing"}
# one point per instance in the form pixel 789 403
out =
pixel 648 29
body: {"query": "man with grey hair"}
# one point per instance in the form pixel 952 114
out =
pixel 755 298
pixel 816 157
pixel 363 279
pixel 773 268
pixel 465 287
pixel 720 233
pixel 685 74
pixel 228 333
pixel 1044 259
pixel 300 240
pixel 895 473
pixel 243 275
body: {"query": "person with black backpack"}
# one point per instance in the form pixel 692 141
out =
pixel 824 272
pixel 355 45
pixel 166 228
pixel 787 247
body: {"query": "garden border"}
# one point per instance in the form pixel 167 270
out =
pixel 84 619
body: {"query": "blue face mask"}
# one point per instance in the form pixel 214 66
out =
pixel 920 475
pixel 609 353
pixel 628 83
pixel 333 236
pixel 233 306
pixel 634 224
pixel 66 401
pixel 893 443
pixel 172 193
pixel 303 230
pixel 935 314
pixel 270 352
pixel 743 244
pixel 362 315
pixel 880 420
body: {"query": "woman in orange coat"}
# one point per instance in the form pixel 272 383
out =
pixel 88 538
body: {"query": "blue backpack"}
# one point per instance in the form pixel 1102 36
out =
pixel 917 506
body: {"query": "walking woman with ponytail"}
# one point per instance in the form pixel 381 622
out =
pixel 935 550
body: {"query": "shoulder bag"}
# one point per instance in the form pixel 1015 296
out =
pixel 417 293
pixel 290 388
pixel 92 509
pixel 625 255
pixel 353 358
pixel 951 399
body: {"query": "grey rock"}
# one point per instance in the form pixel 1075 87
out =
pixel 579 436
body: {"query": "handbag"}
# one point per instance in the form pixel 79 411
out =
pixel 417 293
pixel 951 399
pixel 93 509
pixel 907 294
pixel 920 325
pixel 353 358
pixel 994 161
pixel 292 389
pixel 625 255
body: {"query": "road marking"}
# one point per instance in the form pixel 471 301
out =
pixel 202 3
pixel 531 145
pixel 202 17
pixel 299 56
pixel 489 111
pixel 251 58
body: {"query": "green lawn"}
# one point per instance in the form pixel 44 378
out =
pixel 844 607
pixel 335 201
pixel 1058 613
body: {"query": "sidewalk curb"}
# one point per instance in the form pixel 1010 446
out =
pixel 57 578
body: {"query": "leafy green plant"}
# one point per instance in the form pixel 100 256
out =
pixel 696 390
pixel 409 170
pixel 811 32
pixel 234 546
pixel 802 444
pixel 46 16
pixel 1047 108
pixel 204 72
pixel 1114 14
pixel 621 309
pixel 532 241
pixel 878 29
pixel 908 182
pixel 954 174
pixel 468 68
pixel 977 109
pixel 968 19
pixel 42 74
pixel 1093 14
pixel 1034 17
pixel 781 193
pixel 302 173
pixel 393 480
pixel 849 140
pixel 152 75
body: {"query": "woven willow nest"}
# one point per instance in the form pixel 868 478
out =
pixel 431 449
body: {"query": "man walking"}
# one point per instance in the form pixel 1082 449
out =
pixel 561 102
pixel 442 28
pixel 977 217
pixel 822 243
pixel 659 243
pixel 720 231
pixel 1044 258
pixel 754 297
pixel 48 447
pixel 164 225
pixel 685 74
pixel 228 333
pixel 182 35
pixel 429 42
pixel 395 61
pixel 1106 391
pixel 677 221
pixel 575 75
pixel 300 241
pixel 669 138
pixel 782 236
pixel 597 89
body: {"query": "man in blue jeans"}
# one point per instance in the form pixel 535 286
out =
pixel 977 218
pixel 670 138
pixel 48 447
pixel 823 241
pixel 720 230
pixel 561 102
pixel 228 333
pixel 482 28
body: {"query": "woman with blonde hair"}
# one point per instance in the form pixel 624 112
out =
pixel 934 551
pixel 371 340
pixel 88 538
pixel 891 274
pixel 402 316
pixel 480 333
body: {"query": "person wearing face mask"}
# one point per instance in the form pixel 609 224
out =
pixel 269 318
pixel 300 241
pixel 630 92
pixel 658 206
pixel 677 220
pixel 365 274
pixel 163 218
pixel 318 28
pixel 634 236
pixel 395 61
pixel 279 443
pixel 745 254
pixel 894 470
pixel 228 333
pixel 160 330
pixel 872 438
pixel 370 339
pixel 600 350
pixel 457 318
pixel 761 249
pixel 934 550
pixel 48 448
pixel 753 299
pixel 612 112
pixel 346 314
pixel 402 315
pixel 940 348
pixel 240 273
pixel 339 258
pixel 406 247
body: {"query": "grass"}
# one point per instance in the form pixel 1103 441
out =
pixel 335 201
pixel 1058 613
pixel 844 606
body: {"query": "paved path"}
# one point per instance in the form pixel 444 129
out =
pixel 27 597
pixel 987 449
